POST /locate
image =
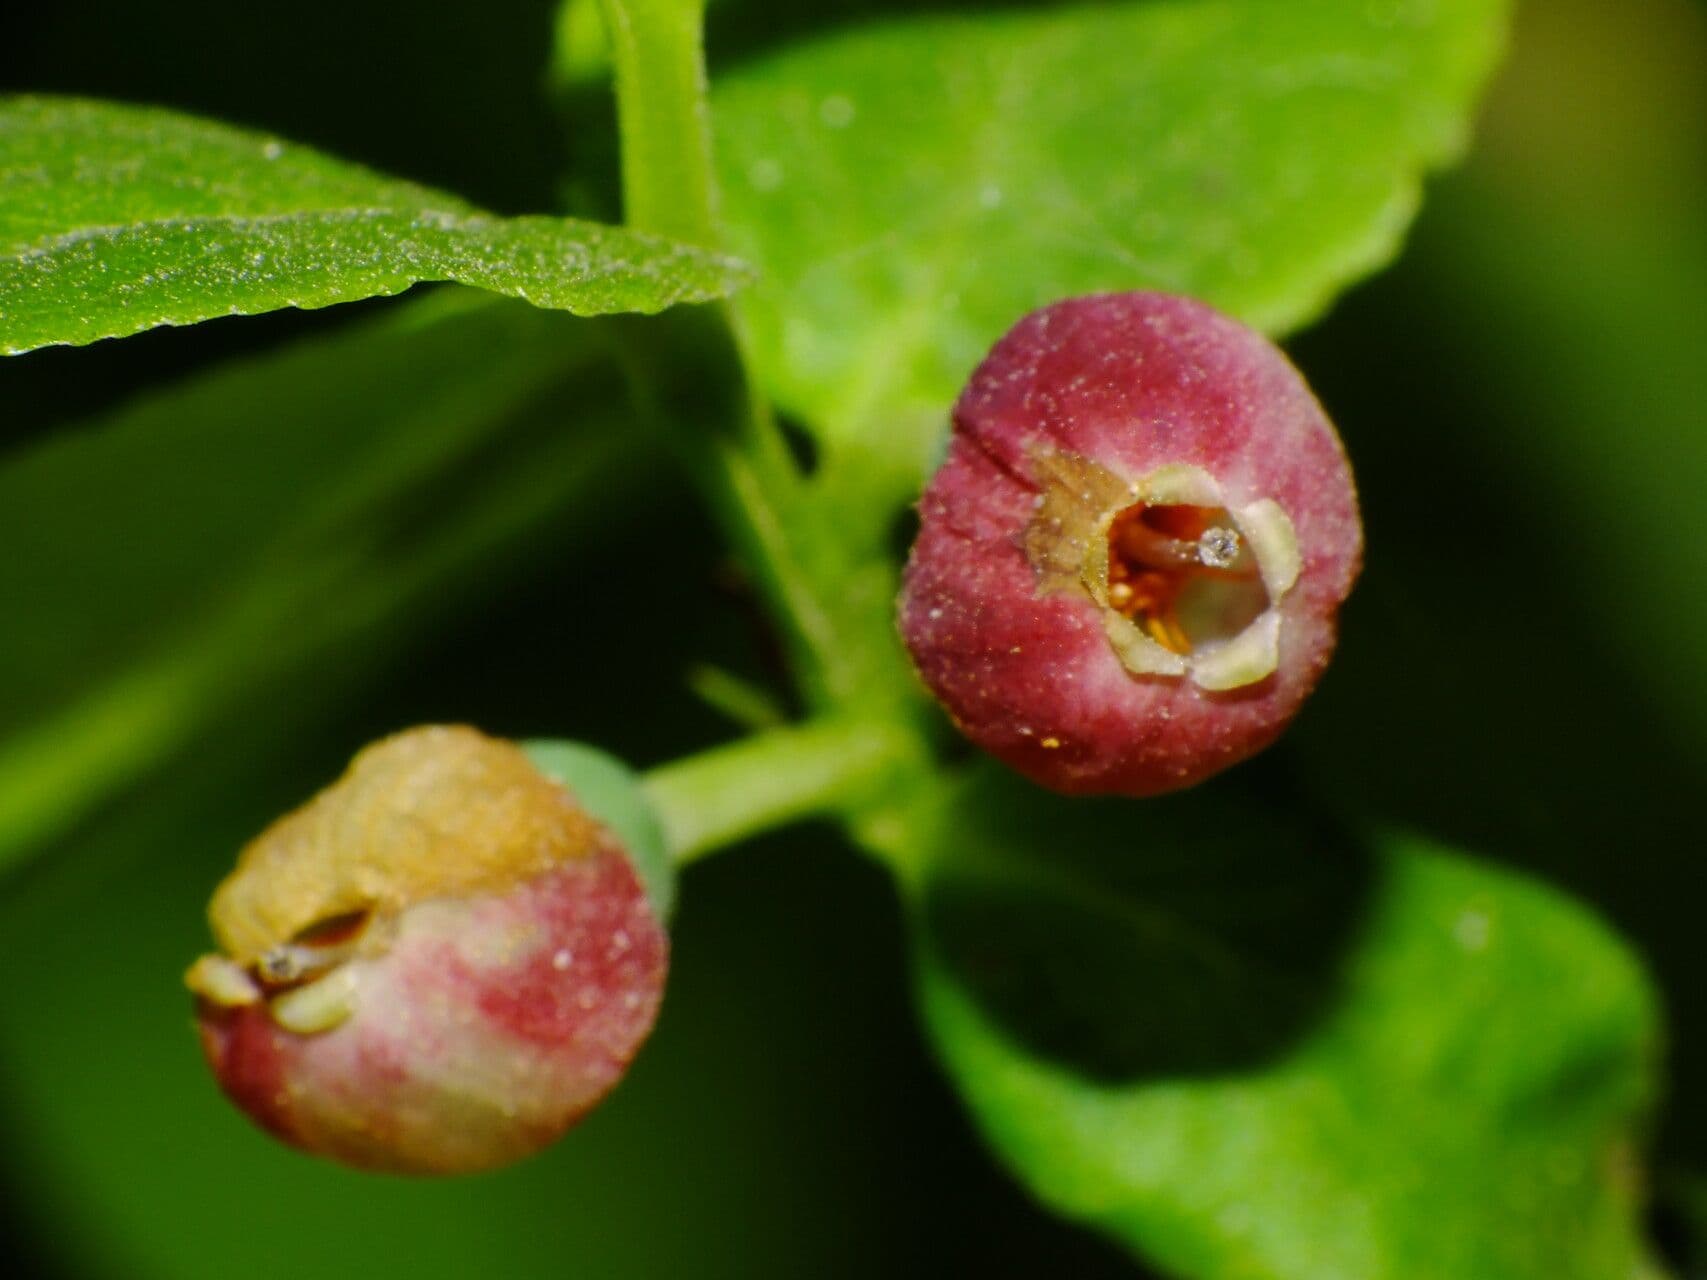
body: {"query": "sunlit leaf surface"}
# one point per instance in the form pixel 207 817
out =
pixel 909 189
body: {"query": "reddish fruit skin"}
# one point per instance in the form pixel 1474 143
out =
pixel 490 1026
pixel 1133 381
pixel 437 965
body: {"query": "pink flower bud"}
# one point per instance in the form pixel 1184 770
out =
pixel 1129 565
pixel 437 965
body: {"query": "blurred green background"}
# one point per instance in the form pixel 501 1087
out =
pixel 1524 396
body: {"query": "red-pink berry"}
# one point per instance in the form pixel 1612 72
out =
pixel 1129 564
pixel 437 965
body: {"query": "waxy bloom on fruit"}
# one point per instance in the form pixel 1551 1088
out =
pixel 1129 564
pixel 437 965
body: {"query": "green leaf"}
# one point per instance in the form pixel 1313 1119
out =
pixel 1248 1046
pixel 230 539
pixel 910 189
pixel 114 219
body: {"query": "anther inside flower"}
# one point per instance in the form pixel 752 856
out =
pixel 1186 585
pixel 1130 562
pixel 437 965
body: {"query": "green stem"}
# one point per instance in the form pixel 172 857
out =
pixel 693 369
pixel 715 799
pixel 740 459
pixel 686 383
pixel 657 48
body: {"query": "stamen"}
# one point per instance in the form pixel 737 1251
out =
pixel 314 951
pixel 1140 544
pixel 1218 548
pixel 286 962
pixel 1181 573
